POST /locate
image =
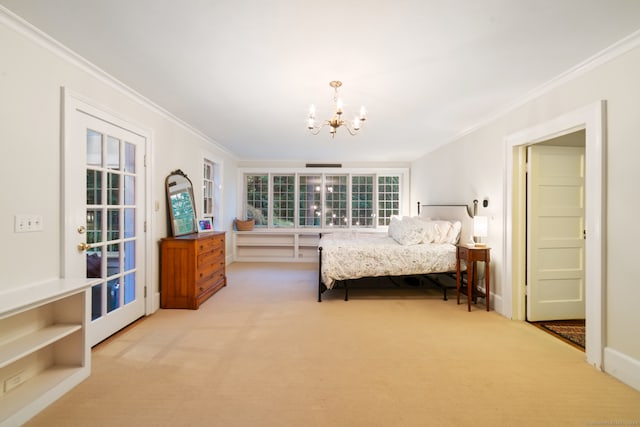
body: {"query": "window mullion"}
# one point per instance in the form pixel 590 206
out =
pixel 245 197
pixel 374 210
pixel 349 201
pixel 270 201
pixel 323 201
pixel 296 200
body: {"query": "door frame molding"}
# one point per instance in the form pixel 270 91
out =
pixel 72 102
pixel 592 118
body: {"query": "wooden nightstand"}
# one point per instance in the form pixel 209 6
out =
pixel 471 255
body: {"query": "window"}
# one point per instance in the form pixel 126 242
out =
pixel 335 205
pixel 283 200
pixel 257 198
pixel 388 198
pixel 208 189
pixel 362 207
pixel 303 200
pixel 309 212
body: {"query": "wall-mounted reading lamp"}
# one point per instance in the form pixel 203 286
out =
pixel 485 204
pixel 480 224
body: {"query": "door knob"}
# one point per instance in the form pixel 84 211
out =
pixel 83 246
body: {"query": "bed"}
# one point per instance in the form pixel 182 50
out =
pixel 420 247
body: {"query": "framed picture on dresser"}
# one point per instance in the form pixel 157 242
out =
pixel 205 225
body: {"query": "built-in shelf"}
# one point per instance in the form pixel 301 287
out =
pixel 44 350
pixel 277 245
pixel 23 346
pixel 293 245
pixel 36 394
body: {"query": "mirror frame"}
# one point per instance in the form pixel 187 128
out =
pixel 181 223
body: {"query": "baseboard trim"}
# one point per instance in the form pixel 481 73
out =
pixel 498 305
pixel 622 367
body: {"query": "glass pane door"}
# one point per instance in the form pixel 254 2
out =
pixel 111 208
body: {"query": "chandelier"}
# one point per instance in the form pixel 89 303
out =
pixel 336 121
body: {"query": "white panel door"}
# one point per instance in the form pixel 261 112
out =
pixel 555 233
pixel 104 193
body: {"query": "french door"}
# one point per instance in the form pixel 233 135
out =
pixel 104 200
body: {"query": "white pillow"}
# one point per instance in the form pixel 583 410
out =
pixel 429 230
pixel 441 231
pixel 456 228
pixel 443 228
pixel 405 231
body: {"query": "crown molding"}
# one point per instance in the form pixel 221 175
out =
pixel 615 50
pixel 29 31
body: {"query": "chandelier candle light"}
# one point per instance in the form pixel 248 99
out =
pixel 336 121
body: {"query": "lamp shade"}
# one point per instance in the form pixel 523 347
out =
pixel 480 226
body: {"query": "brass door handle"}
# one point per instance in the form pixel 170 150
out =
pixel 83 246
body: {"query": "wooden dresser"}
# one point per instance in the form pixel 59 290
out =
pixel 192 268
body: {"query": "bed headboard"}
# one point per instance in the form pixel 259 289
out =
pixel 452 213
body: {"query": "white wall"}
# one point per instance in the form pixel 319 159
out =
pixel 31 77
pixel 473 167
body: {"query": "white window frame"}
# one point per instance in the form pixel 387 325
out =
pixel 404 196
pixel 208 188
pixel 377 199
pixel 217 217
pixel 374 200
pixel 271 222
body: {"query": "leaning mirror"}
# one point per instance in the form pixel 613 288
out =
pixel 182 211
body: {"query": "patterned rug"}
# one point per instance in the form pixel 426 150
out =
pixel 571 330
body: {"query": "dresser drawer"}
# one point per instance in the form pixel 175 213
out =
pixel 213 257
pixel 209 277
pixel 208 245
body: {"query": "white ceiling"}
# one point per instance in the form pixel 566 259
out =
pixel 244 72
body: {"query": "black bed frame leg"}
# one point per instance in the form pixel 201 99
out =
pixel 346 290
pixel 320 274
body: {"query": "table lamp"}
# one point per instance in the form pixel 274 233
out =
pixel 480 229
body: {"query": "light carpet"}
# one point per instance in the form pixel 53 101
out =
pixel 263 352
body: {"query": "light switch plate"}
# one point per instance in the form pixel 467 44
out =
pixel 27 223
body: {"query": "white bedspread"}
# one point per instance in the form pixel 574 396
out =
pixel 355 255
